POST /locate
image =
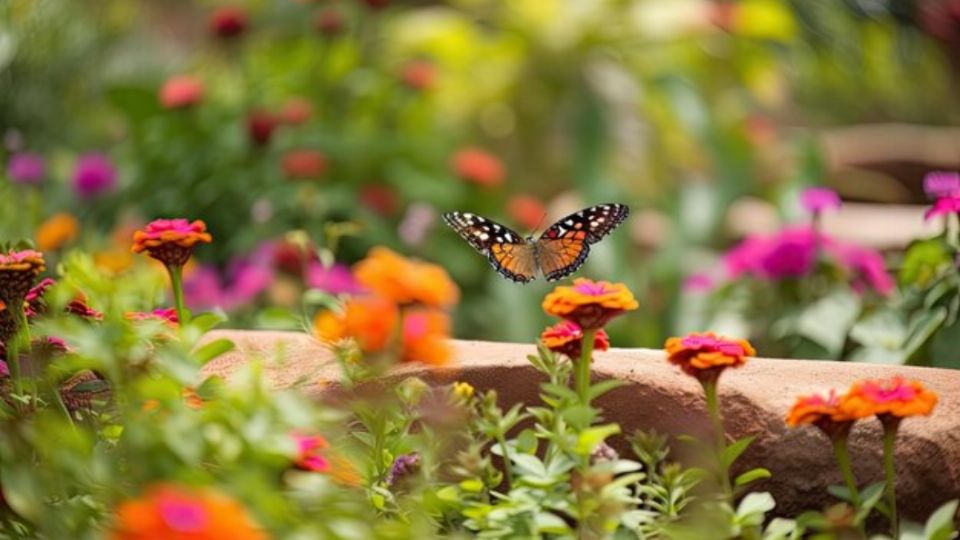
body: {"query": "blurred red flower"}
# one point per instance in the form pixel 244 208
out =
pixel 260 126
pixel 303 164
pixel 181 91
pixel 329 22
pixel 526 210
pixel 228 21
pixel 377 4
pixel 379 198
pixel 296 111
pixel 478 166
pixel 419 74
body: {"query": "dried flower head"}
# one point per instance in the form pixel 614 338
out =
pixel 706 355
pixel 590 304
pixel 566 337
pixel 18 272
pixel 171 241
pixel 173 512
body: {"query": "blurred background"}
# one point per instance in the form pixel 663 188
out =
pixel 305 132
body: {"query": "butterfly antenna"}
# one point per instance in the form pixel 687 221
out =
pixel 539 223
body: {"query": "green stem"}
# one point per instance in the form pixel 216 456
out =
pixel 176 282
pixel 842 454
pixel 507 464
pixel 583 367
pixel 889 438
pixel 720 441
pixel 20 341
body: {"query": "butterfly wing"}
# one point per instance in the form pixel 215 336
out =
pixel 564 246
pixel 508 252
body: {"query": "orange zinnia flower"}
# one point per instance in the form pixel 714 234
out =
pixel 173 512
pixel 171 241
pixel 705 355
pixel 823 412
pixel 369 320
pixel 406 281
pixel 425 334
pixel 590 304
pixel 18 270
pixel 57 230
pixel 895 397
pixel 566 337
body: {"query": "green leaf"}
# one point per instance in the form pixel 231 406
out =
pixel 922 261
pixel 828 320
pixel 591 437
pixel 277 318
pixel 751 476
pixel 882 329
pixel 922 326
pixel 754 506
pixel 319 298
pixel 603 387
pixel 137 103
pixel 473 485
pixel 940 524
pixel 449 494
pixel 735 449
pixel 21 492
pixel 547 523
pixel 93 385
pixel 215 348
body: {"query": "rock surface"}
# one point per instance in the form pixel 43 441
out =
pixel 754 400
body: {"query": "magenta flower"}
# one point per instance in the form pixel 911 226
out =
pixel 819 199
pixel 167 315
pixel 183 514
pixel 202 288
pixel 944 206
pixel 866 266
pixel 93 175
pixel 793 254
pixel 26 169
pixel 939 184
pixel 697 283
pixel 4 370
pixel 310 453
pixel 336 279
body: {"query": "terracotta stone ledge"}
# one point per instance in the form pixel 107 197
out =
pixel 657 396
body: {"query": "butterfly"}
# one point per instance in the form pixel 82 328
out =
pixel 557 253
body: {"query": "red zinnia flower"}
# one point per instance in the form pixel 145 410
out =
pixel 478 166
pixel 526 210
pixel 171 241
pixel 566 337
pixel 303 164
pixel 228 21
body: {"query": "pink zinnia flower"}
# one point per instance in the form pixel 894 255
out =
pixel 310 453
pixel 180 92
pixel 938 184
pixel 336 279
pixel 866 265
pixel 26 169
pixel 792 254
pixel 944 206
pixel 566 337
pixel 818 199
pixel 93 174
pixel 171 241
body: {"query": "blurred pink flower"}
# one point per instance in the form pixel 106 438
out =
pixel 938 184
pixel 478 166
pixel 26 169
pixel 181 91
pixel 245 278
pixel 310 452
pixel 336 279
pixel 792 253
pixel 93 174
pixel 201 288
pixel 228 21
pixel 416 223
pixel 818 199
pixel 698 283
pixel 168 315
pixel 4 370
pixel 944 206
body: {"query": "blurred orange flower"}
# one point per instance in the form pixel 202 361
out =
pixel 566 337
pixel 171 241
pixel 590 304
pixel 425 335
pixel 170 512
pixel 303 164
pixel 419 74
pixel 406 281
pixel 705 355
pixel 823 412
pixel 895 397
pixel 478 166
pixel 369 320
pixel 526 210
pixel 56 231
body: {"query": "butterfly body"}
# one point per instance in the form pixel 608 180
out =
pixel 557 253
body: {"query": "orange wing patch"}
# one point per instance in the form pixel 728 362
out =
pixel 562 256
pixel 515 261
